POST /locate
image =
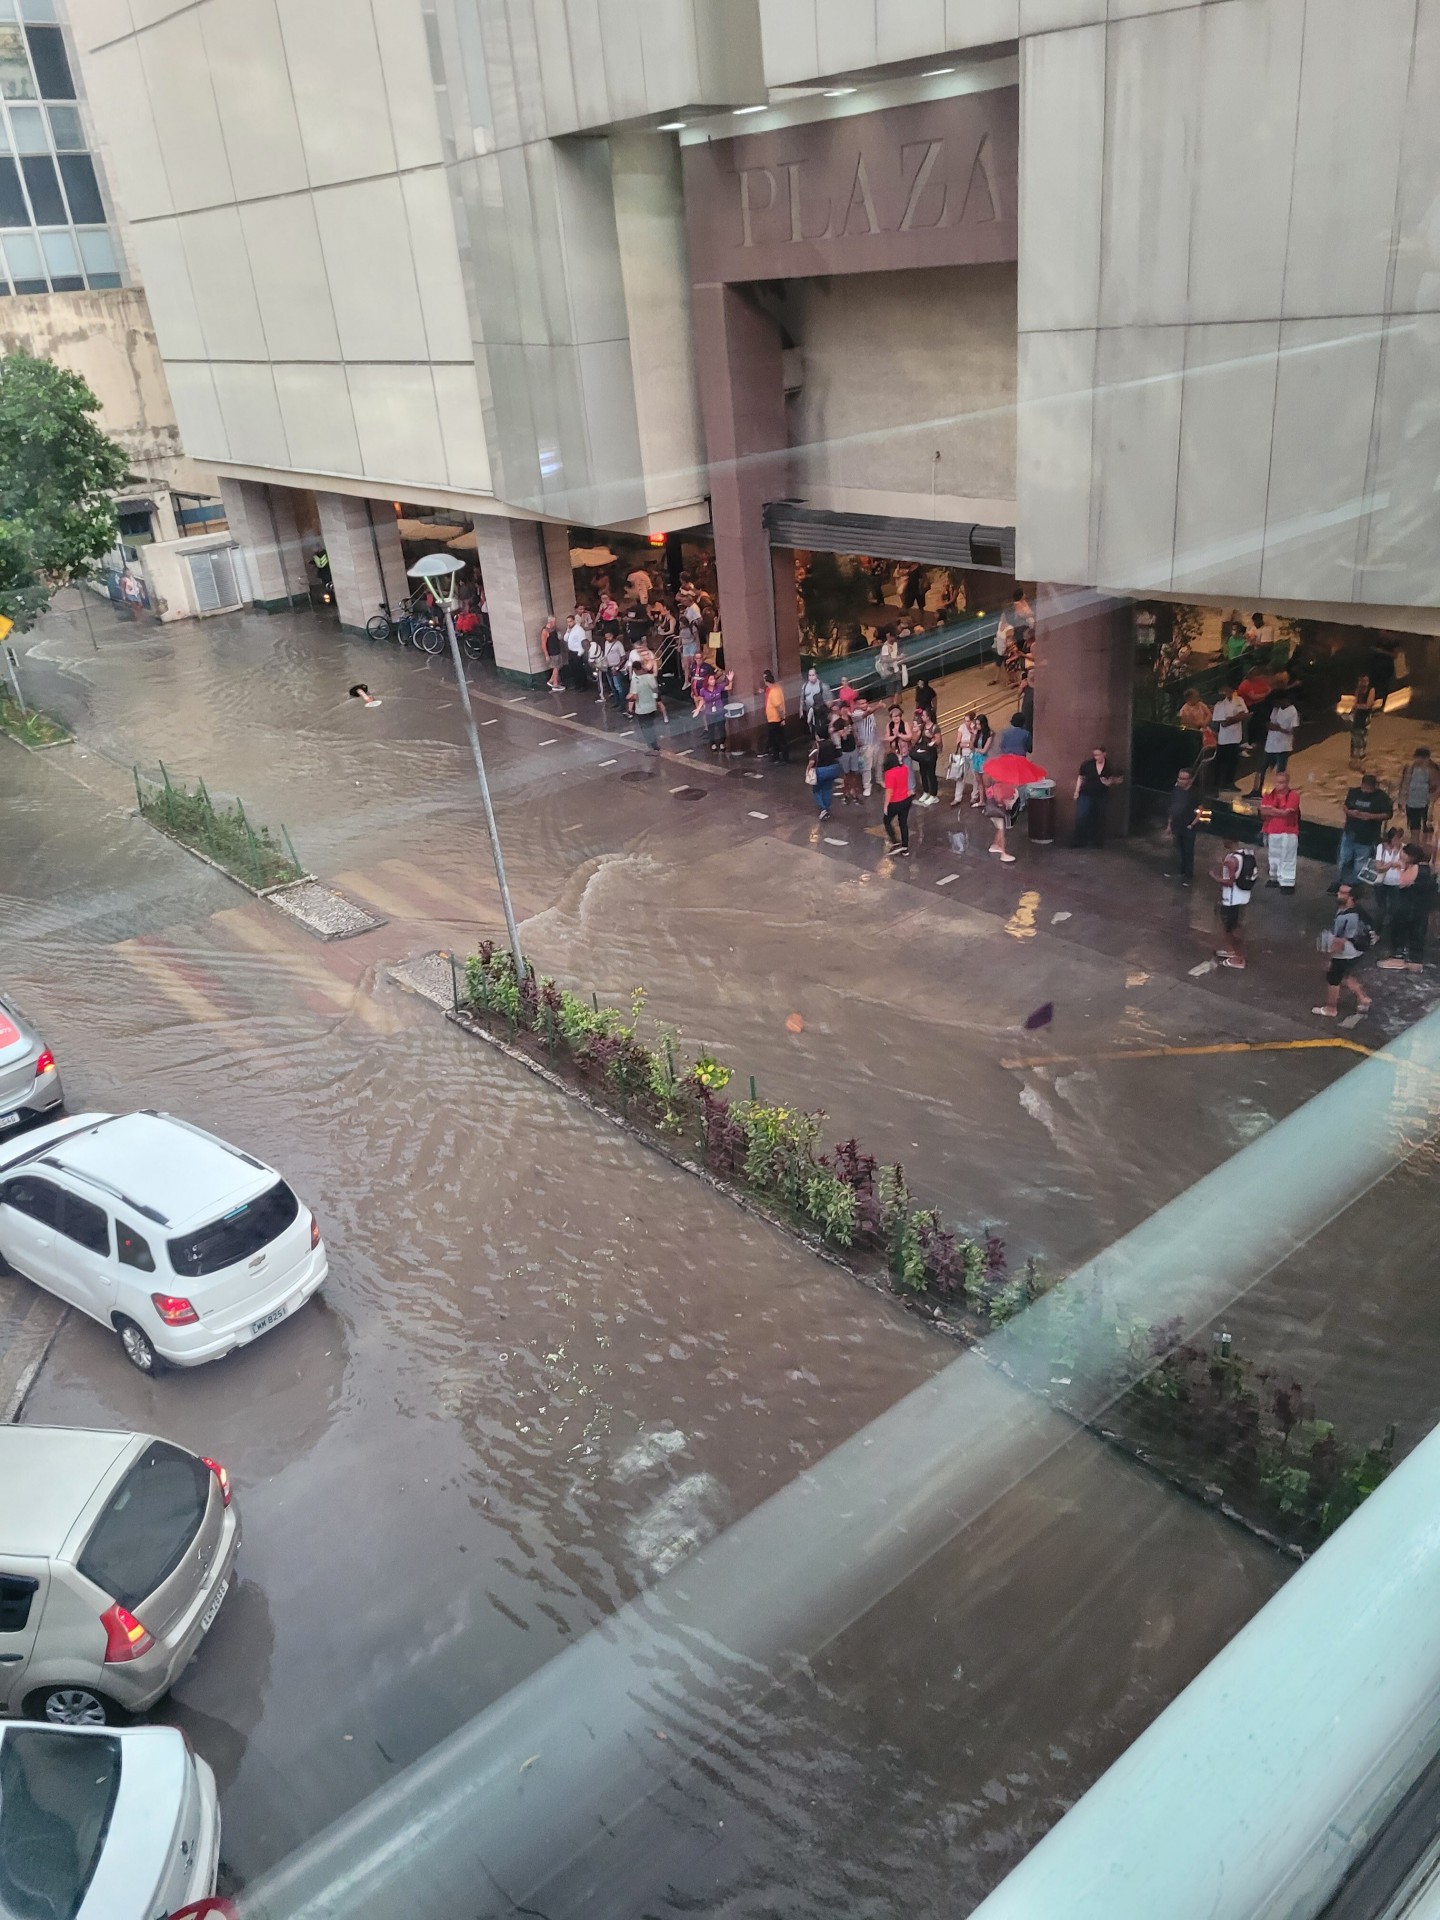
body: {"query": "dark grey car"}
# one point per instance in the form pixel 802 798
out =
pixel 29 1078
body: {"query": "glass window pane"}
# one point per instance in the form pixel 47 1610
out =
pixel 97 251
pixel 78 172
pixel 71 283
pixel 15 81
pixel 13 210
pixel 104 280
pixel 37 9
pixel 22 256
pixel 52 64
pixel 59 250
pixel 141 1537
pixel 4 137
pixel 7 9
pixel 65 128
pixel 45 198
pixel 27 127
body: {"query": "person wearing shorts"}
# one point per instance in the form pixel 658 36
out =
pixel 1344 952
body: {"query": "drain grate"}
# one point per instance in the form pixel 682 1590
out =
pixel 691 793
pixel 637 776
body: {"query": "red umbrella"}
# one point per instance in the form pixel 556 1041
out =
pixel 1013 770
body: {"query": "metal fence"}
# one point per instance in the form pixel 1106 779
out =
pixel 222 833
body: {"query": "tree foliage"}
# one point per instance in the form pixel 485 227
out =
pixel 58 471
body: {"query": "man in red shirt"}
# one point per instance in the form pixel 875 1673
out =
pixel 1280 827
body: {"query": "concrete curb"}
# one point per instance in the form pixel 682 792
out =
pixel 28 1352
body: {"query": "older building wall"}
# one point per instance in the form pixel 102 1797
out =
pixel 108 339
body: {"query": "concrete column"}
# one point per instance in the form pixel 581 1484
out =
pixel 525 567
pixel 742 403
pixel 262 520
pixel 366 561
pixel 1084 691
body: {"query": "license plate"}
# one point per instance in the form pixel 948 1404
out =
pixel 214 1606
pixel 9 1119
pixel 271 1319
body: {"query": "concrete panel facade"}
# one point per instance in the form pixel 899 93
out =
pixel 1263 301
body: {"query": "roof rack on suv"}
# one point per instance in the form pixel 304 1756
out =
pixel 155 1113
pixel 105 1186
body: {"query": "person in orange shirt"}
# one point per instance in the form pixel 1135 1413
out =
pixel 776 744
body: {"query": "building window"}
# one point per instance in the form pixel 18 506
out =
pixel 52 66
pixel 43 186
pixel 52 183
pixel 65 129
pixel 13 210
pixel 82 189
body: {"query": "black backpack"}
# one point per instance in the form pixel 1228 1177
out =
pixel 1249 870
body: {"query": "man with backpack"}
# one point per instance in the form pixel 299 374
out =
pixel 1236 874
pixel 1350 936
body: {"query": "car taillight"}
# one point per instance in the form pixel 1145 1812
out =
pixel 214 1907
pixel 222 1476
pixel 314 1231
pixel 174 1309
pixel 125 1638
pixel 45 1064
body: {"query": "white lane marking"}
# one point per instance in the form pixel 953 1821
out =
pixel 679 789
pixel 948 880
pixel 609 763
pixel 571 716
pixel 519 700
pixel 575 828
pixel 830 841
pixel 547 743
pixel 489 723
pixel 759 816
pixel 1056 918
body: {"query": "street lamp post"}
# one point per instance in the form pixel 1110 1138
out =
pixel 438 571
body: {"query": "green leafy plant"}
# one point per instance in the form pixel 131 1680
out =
pixel 35 729
pixel 907 1251
pixel 831 1204
pixel 58 475
pixel 710 1074
pixel 780 1148
pixel 225 833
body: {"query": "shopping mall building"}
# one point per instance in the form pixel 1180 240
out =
pixel 1132 300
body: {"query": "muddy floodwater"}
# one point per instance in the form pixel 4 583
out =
pixel 547 1364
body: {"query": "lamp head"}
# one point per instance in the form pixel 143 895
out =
pixel 438 571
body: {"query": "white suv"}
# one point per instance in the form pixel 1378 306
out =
pixel 187 1247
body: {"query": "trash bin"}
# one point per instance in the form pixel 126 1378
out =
pixel 1040 813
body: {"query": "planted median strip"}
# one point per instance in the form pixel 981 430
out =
pixel 224 834
pixel 1241 1437
pixel 30 728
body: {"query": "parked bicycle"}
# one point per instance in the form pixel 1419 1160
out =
pixel 411 626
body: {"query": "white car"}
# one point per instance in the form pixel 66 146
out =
pixel 186 1247
pixel 105 1823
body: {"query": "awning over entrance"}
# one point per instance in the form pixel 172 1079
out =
pixel 936 543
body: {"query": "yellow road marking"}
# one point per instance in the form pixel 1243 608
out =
pixel 1167 1053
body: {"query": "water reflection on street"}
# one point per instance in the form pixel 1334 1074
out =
pixel 548 1365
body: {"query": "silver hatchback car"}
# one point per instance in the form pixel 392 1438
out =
pixel 29 1078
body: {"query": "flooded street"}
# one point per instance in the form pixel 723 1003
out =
pixel 547 1365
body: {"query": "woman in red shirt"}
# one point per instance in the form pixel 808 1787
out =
pixel 896 775
pixel 1280 827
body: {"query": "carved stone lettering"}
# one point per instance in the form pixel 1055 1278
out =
pixel 928 160
pixel 930 183
pixel 797 210
pixel 982 176
pixel 749 207
pixel 861 197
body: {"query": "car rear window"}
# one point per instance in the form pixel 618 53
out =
pixel 154 1514
pixel 242 1232
pixel 57 1792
